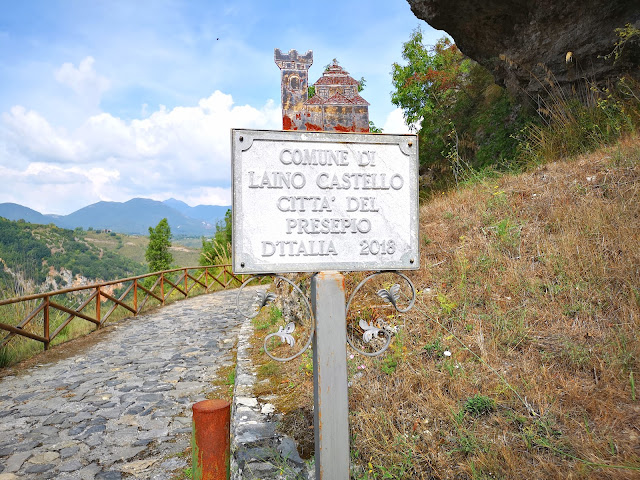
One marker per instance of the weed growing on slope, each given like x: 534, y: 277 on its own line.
x: 519, y: 357
x: 479, y: 405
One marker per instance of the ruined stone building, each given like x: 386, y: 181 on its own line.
x: 336, y: 105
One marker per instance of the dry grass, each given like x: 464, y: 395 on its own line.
x: 532, y: 282
x: 185, y: 251
x: 222, y: 385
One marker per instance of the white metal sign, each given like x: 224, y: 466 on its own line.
x: 317, y: 201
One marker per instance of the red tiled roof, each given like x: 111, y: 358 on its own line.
x: 315, y: 100
x: 336, y: 75
x: 337, y: 99
x: 336, y: 80
x: 358, y: 100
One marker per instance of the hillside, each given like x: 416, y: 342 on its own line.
x: 132, y: 217
x: 186, y: 252
x: 44, y: 257
x: 521, y: 355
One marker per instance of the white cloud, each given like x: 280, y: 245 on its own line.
x: 33, y: 134
x: 48, y: 186
x: 84, y: 81
x: 395, y: 123
x: 182, y: 152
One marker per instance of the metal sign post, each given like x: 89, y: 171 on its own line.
x: 330, y: 396
x: 323, y: 202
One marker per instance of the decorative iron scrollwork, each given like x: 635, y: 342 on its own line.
x: 376, y: 332
x: 285, y: 333
x: 263, y: 298
x: 370, y: 331
x: 390, y: 295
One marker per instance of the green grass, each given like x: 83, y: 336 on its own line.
x: 269, y: 369
x: 479, y: 405
x: 264, y: 320
x: 186, y: 251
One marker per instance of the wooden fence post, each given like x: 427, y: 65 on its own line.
x: 135, y: 295
x: 46, y: 322
x: 186, y: 285
x: 98, y: 301
x: 162, y: 287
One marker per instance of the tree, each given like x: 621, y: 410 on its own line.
x: 464, y: 118
x: 157, y: 254
x: 431, y: 81
x: 430, y: 89
x: 218, y: 249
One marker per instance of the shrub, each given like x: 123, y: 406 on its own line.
x: 466, y: 121
x: 479, y: 405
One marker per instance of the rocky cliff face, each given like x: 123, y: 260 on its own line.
x: 521, y: 41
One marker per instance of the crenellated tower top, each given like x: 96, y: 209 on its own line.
x: 293, y: 60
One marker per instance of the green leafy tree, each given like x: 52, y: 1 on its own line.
x: 430, y: 83
x: 429, y: 90
x: 157, y: 254
x: 218, y: 249
x: 463, y: 117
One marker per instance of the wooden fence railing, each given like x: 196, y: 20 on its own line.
x: 133, y: 294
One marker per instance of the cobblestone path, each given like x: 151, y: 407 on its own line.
x: 122, y: 408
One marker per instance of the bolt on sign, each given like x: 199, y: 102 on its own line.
x: 317, y: 201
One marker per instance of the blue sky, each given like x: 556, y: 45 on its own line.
x: 110, y: 100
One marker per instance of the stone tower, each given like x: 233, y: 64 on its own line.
x: 294, y: 85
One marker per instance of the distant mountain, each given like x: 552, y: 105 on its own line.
x: 13, y: 211
x: 209, y: 213
x: 132, y: 217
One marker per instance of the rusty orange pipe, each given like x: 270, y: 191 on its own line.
x: 210, y: 444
